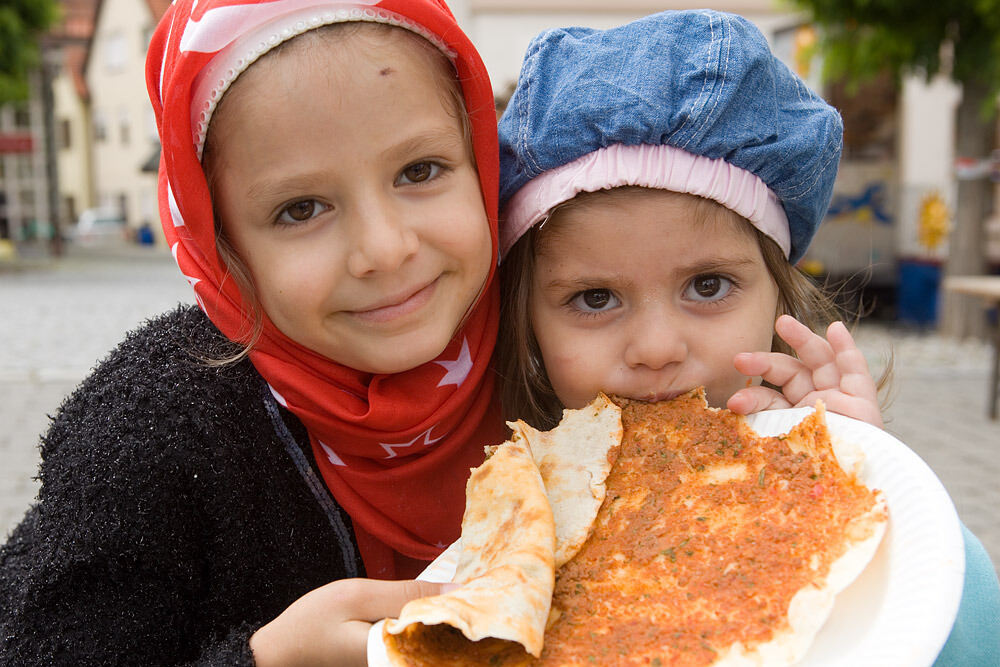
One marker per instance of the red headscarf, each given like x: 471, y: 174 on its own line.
x: 395, y: 450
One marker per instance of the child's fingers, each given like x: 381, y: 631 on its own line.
x: 755, y: 399
x: 849, y: 357
x: 366, y: 601
x: 813, y: 351
x: 330, y: 624
x: 856, y: 407
x: 371, y: 600
x: 856, y: 379
x: 779, y: 370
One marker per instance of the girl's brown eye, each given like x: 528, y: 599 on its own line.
x: 301, y: 211
x: 707, y: 286
x: 593, y: 301
x: 418, y: 173
x: 596, y: 298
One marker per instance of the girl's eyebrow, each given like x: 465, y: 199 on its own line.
x: 268, y: 191
x: 433, y: 139
x: 716, y: 265
x: 587, y: 282
x: 437, y: 140
x: 596, y: 281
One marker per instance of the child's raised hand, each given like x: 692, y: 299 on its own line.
x: 832, y: 369
x: 329, y: 625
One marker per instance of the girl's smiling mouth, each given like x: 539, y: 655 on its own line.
x: 397, y: 306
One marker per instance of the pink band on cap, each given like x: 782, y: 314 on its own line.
x: 662, y: 167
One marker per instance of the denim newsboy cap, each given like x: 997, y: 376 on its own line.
x: 701, y: 81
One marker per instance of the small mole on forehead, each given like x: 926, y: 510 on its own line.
x: 386, y: 71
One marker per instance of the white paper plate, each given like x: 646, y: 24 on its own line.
x: 901, y: 609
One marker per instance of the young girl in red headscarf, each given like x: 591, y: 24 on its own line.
x: 328, y: 187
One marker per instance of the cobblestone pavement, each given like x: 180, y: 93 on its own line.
x: 59, y: 318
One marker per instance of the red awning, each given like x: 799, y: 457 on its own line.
x: 16, y: 142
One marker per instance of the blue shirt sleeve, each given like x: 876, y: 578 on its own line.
x: 975, y: 638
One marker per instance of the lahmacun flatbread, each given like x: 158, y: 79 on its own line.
x: 509, y: 544
x: 715, y: 546
x: 712, y: 546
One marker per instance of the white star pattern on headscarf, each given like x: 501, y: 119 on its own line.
x: 391, y: 448
x: 332, y: 455
x: 459, y: 369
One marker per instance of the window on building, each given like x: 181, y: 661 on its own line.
x: 22, y: 119
x: 69, y: 208
x: 115, y: 56
x: 100, y: 126
x: 27, y: 200
x: 65, y: 138
x: 123, y: 127
x: 23, y: 166
x: 123, y: 205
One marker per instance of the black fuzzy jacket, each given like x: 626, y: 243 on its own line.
x: 180, y: 509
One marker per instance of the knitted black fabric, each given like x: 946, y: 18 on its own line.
x: 171, y: 521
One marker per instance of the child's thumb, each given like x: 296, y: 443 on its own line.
x: 388, y: 600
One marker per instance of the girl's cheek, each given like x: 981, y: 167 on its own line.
x: 576, y: 376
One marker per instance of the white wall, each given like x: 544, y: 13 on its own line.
x: 926, y: 155
x: 116, y: 78
x: 74, y: 165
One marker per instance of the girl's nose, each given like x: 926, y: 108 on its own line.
x: 383, y: 242
x: 655, y: 341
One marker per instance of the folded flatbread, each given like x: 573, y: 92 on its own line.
x: 511, y: 542
x: 680, y: 538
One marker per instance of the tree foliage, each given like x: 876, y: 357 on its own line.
x: 861, y: 38
x: 864, y: 37
x: 22, y: 22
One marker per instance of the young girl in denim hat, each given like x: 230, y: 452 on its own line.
x: 658, y: 183
x: 328, y: 186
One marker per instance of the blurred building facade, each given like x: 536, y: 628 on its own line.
x: 71, y: 103
x: 22, y: 167
x: 123, y: 130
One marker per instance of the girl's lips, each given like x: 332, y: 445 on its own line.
x: 655, y: 397
x: 404, y: 306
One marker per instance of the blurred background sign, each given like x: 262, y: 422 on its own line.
x: 16, y: 142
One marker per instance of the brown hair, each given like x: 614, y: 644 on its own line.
x: 526, y: 392
x: 213, y: 163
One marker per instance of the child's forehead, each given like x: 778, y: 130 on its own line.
x: 340, y: 49
x: 614, y: 223
x: 651, y: 259
x: 332, y: 57
x: 297, y: 38
x: 617, y: 205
